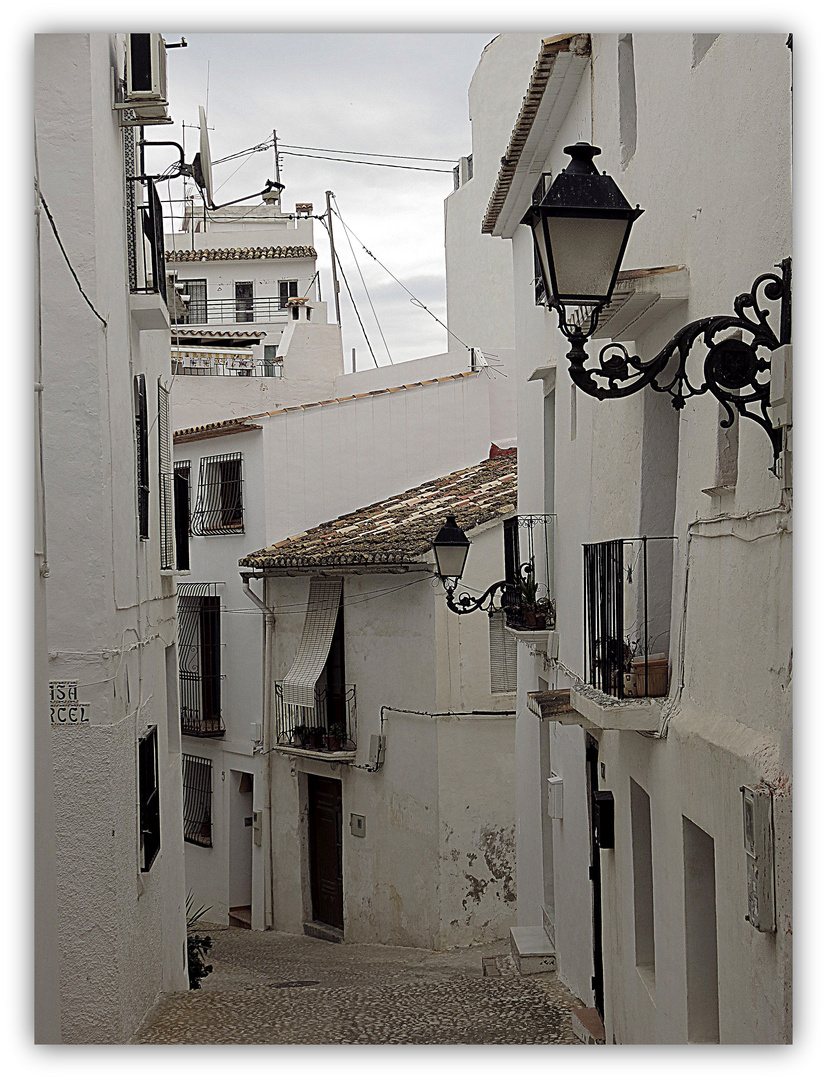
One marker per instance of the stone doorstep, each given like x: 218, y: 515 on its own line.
x: 241, y: 917
x: 588, y: 1027
x: 324, y: 932
x: 532, y: 951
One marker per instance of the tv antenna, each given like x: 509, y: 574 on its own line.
x: 201, y: 168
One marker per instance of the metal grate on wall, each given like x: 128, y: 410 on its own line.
x: 219, y: 506
x: 142, y: 454
x: 197, y: 772
x: 199, y: 659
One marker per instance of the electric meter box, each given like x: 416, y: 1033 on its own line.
x: 759, y: 845
x: 257, y: 817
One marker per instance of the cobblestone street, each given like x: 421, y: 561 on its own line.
x: 279, y: 988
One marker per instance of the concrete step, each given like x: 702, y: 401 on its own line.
x: 241, y: 916
x: 587, y: 1026
x: 532, y: 950
x: 323, y: 931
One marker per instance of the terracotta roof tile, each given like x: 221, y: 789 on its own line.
x: 234, y: 254
x: 387, y: 532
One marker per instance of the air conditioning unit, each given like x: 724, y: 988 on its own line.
x: 146, y: 70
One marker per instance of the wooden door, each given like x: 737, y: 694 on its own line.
x: 325, y: 835
x: 592, y: 785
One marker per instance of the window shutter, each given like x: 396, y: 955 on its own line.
x: 502, y: 655
x: 149, y: 799
x: 142, y: 447
x: 166, y: 482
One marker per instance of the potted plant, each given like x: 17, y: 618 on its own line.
x: 336, y: 736
x: 318, y: 737
x: 299, y: 735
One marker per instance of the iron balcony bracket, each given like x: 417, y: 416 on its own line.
x: 465, y: 602
x: 736, y: 370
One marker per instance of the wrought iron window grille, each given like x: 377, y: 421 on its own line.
x: 149, y: 803
x: 199, y: 659
x: 621, y: 657
x: 329, y: 726
x: 197, y: 777
x: 528, y: 602
x: 219, y: 507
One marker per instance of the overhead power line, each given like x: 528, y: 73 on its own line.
x: 355, y: 157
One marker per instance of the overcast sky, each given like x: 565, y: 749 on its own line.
x: 392, y: 94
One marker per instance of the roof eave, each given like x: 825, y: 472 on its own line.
x: 554, y: 81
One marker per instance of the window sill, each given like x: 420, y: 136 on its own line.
x: 613, y: 714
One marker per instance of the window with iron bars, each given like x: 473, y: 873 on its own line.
x: 197, y: 774
x: 149, y: 821
x: 199, y: 659
x: 219, y: 505
x: 142, y: 453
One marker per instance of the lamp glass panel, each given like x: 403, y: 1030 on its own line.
x: 450, y: 559
x: 542, y: 251
x: 585, y: 252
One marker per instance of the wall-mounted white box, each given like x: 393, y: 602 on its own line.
x: 555, y: 796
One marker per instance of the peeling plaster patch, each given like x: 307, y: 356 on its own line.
x: 472, y: 855
x: 498, y: 852
x: 475, y: 893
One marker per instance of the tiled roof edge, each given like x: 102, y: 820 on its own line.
x: 528, y: 112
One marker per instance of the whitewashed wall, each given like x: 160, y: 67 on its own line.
x: 727, y: 225
x: 110, y: 621
x: 436, y: 866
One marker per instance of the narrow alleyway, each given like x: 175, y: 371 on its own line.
x: 279, y: 988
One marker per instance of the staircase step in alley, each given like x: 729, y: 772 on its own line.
x: 532, y: 951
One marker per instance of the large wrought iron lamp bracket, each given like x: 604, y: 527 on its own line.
x: 736, y: 370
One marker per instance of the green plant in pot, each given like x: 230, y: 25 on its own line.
x: 336, y: 736
x: 299, y: 735
x: 198, y: 945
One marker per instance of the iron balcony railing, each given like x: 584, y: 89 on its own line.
x: 626, y: 616
x: 330, y: 725
x: 256, y: 369
x: 231, y: 310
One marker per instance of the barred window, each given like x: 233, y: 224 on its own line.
x: 142, y: 453
x: 197, y: 800
x: 196, y: 289
x: 219, y: 505
x: 181, y: 488
x: 199, y: 659
x: 166, y: 481
x: 149, y: 799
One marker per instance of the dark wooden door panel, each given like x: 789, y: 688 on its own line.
x: 325, y: 826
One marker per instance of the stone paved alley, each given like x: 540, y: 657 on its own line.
x: 279, y: 988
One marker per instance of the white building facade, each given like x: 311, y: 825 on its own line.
x: 111, y: 850
x: 651, y: 920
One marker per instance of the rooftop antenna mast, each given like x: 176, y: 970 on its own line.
x: 278, y: 170
x: 333, y: 258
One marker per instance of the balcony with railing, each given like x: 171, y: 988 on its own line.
x: 627, y: 610
x: 248, y: 309
x: 327, y: 728
x: 145, y: 252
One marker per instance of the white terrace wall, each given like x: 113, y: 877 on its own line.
x: 480, y: 296
x: 730, y: 598
x: 327, y: 460
x: 110, y: 624
x: 436, y: 866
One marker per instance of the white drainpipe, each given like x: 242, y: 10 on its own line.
x: 268, y: 742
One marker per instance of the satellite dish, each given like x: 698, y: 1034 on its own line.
x: 202, y: 163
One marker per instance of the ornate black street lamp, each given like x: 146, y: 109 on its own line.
x: 581, y: 226
x: 450, y: 549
